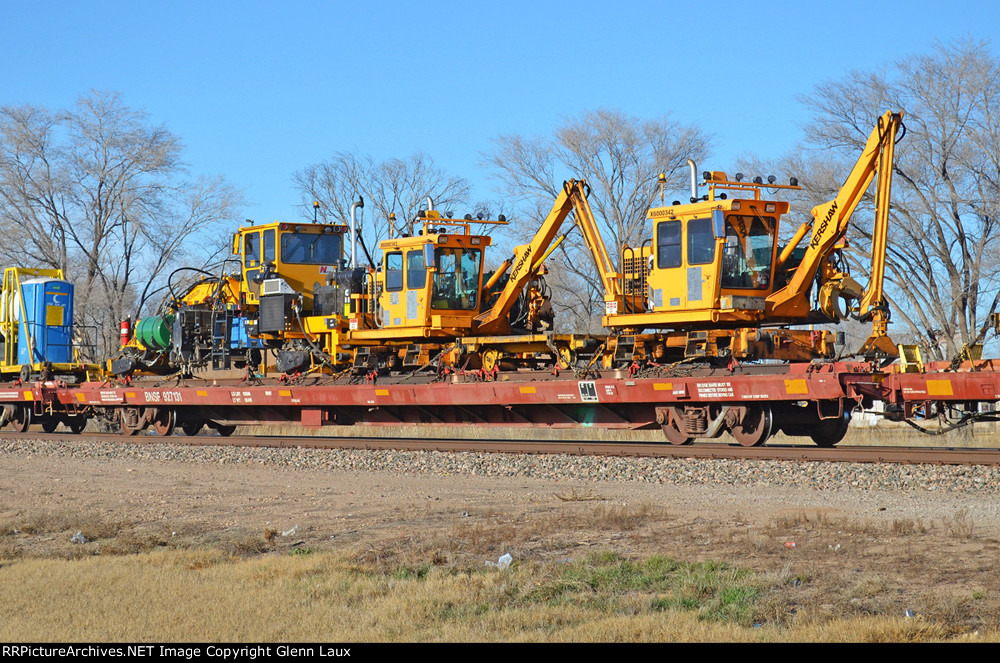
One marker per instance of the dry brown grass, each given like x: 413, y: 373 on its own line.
x: 92, y: 526
x: 204, y: 595
x: 732, y: 580
x: 960, y: 525
x: 577, y: 495
x: 490, y: 534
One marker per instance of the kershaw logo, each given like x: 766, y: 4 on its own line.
x: 519, y: 264
x: 822, y: 226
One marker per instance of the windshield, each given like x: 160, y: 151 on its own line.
x: 749, y: 248
x: 310, y: 248
x: 456, y: 281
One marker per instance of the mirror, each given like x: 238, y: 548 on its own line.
x: 718, y: 223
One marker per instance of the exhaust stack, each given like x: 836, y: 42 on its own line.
x: 354, y: 232
x: 694, y: 180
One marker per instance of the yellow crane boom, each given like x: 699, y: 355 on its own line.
x: 829, y: 223
x: 528, y: 258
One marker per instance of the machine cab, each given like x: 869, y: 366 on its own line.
x: 302, y: 254
x: 714, y: 257
x: 433, y: 280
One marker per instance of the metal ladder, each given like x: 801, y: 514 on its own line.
x: 222, y: 322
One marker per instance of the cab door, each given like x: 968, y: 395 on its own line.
x: 702, y: 270
x: 417, y: 312
x: 252, y: 262
x: 393, y: 301
x: 685, y: 274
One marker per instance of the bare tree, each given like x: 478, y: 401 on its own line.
x: 394, y: 186
x: 620, y: 156
x: 100, y: 192
x: 943, y: 255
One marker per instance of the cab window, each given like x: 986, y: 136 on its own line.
x: 251, y: 249
x: 310, y: 248
x: 747, y: 253
x: 416, y: 272
x: 700, y: 242
x: 668, y: 244
x: 394, y: 272
x: 268, y: 236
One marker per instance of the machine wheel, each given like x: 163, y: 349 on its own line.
x: 755, y: 427
x: 21, y: 419
x: 828, y: 432
x: 490, y: 358
x: 164, y: 422
x: 76, y: 423
x: 565, y: 357
x: 50, y: 425
x: 25, y: 374
x: 192, y: 428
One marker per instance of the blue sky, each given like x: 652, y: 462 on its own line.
x: 258, y: 90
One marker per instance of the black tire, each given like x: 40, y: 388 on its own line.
x: 828, y: 432
x: 192, y: 428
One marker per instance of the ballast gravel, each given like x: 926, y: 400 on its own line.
x: 983, y: 480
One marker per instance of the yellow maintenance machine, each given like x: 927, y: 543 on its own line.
x: 716, y: 279
x: 712, y: 280
x: 430, y: 300
x: 229, y: 320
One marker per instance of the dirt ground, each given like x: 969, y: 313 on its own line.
x: 860, y: 551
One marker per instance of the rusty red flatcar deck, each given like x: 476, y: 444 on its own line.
x: 612, y: 401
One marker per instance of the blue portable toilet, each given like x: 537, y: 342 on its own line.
x: 48, y: 307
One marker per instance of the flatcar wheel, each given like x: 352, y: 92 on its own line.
x: 164, y: 422
x: 673, y: 433
x: 675, y: 436
x: 224, y: 431
x: 50, y: 425
x: 192, y: 428
x: 755, y: 427
x: 828, y: 432
x: 21, y: 419
x: 131, y: 421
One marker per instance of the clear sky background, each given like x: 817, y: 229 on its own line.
x: 259, y: 90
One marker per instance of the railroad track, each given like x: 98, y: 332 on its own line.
x: 709, y: 450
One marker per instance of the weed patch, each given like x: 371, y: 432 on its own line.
x: 245, y: 545
x: 713, y: 590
